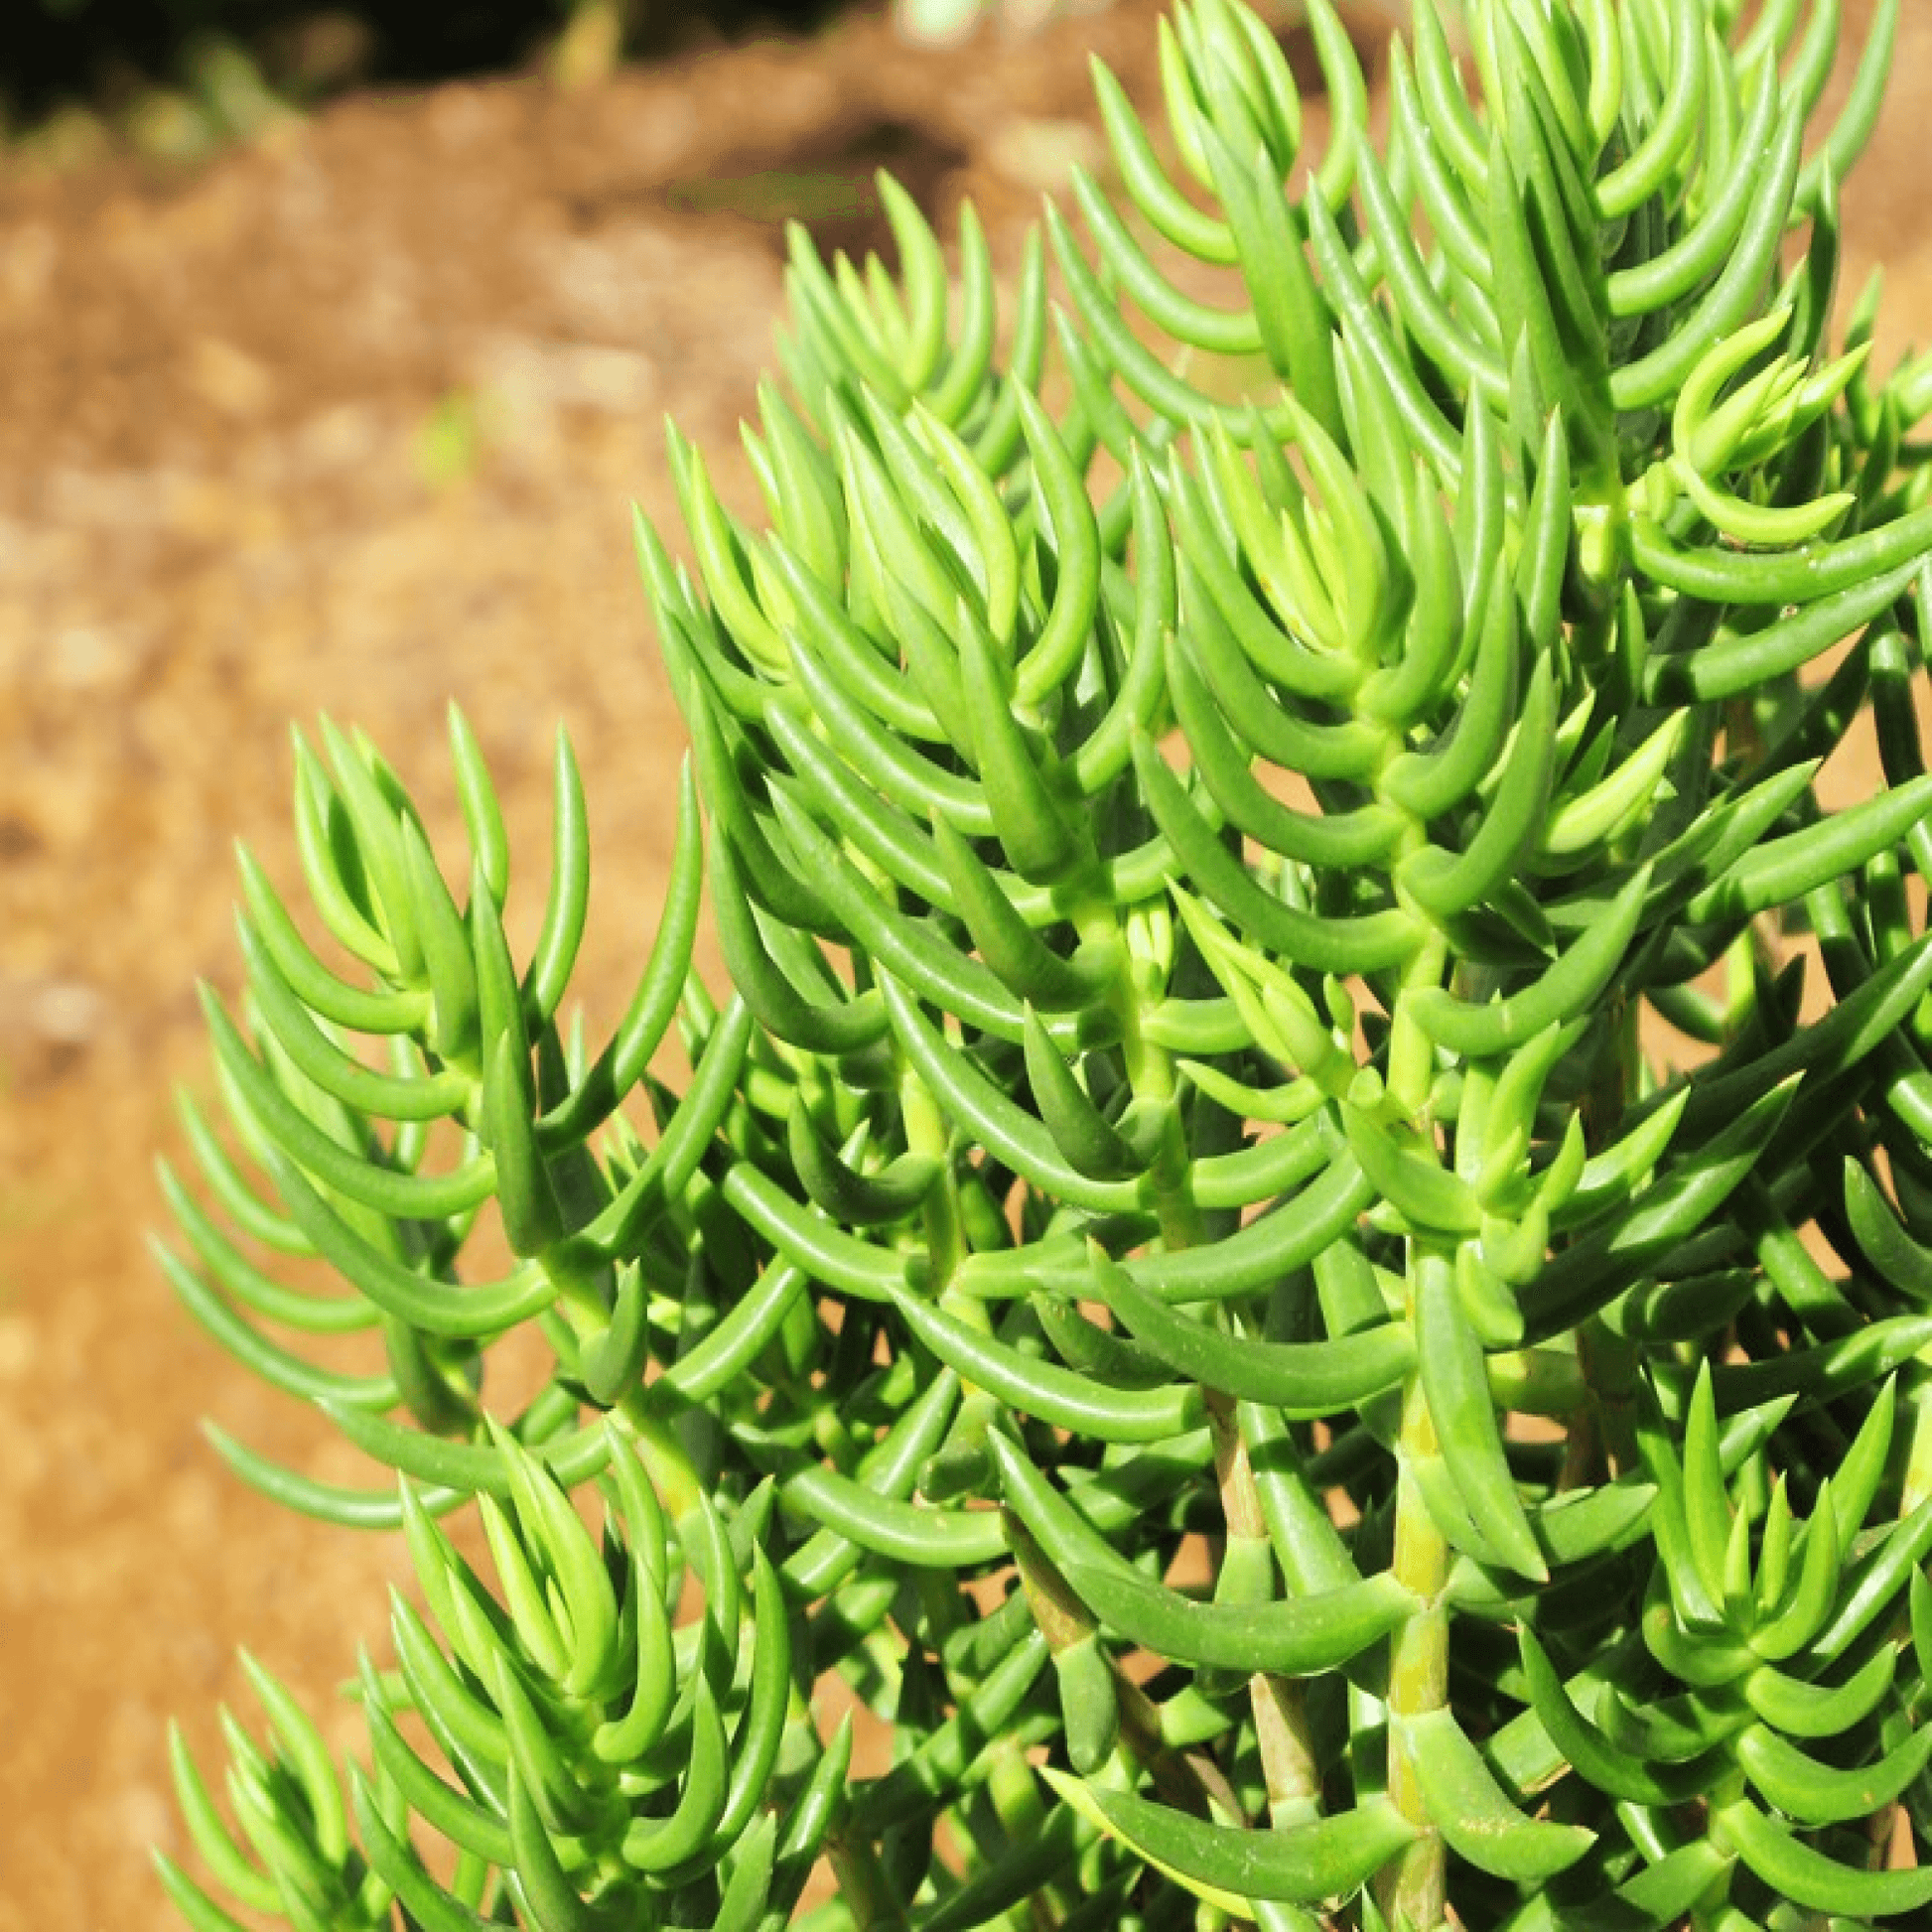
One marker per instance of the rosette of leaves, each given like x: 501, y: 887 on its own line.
x: 608, y: 1769
x: 1304, y: 1251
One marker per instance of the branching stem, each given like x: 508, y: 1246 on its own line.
x: 1414, y: 1889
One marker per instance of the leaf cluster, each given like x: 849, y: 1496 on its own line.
x: 1301, y: 1251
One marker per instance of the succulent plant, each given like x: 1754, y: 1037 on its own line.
x: 1300, y: 1253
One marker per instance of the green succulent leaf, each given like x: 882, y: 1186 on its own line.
x: 1327, y: 1857
x: 1471, y: 1811
x: 1813, y: 1879
x: 1319, y: 1113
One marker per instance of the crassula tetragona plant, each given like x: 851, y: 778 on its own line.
x: 1300, y: 1253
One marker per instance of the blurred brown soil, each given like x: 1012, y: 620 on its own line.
x: 349, y: 424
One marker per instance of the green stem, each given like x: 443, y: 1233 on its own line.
x: 1139, y: 986
x: 666, y: 1460
x: 1603, y: 1431
x: 864, y: 1889
x: 926, y: 1132
x: 1412, y: 1055
x: 1918, y: 1461
x: 1289, y: 1765
x: 1014, y: 1793
x: 1608, y: 1421
x: 1414, y: 1890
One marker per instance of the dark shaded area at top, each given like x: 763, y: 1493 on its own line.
x: 55, y: 50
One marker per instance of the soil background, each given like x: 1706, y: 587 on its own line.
x: 349, y: 423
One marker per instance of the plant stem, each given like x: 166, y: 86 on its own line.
x: 1014, y: 1792
x: 1918, y: 1458
x: 1286, y: 1753
x: 1414, y: 1889
x: 1412, y: 1055
x: 665, y: 1459
x: 1139, y: 986
x: 864, y: 1889
x: 1607, y: 1423
x: 1602, y: 1432
x: 926, y: 1132
x: 1288, y: 1761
